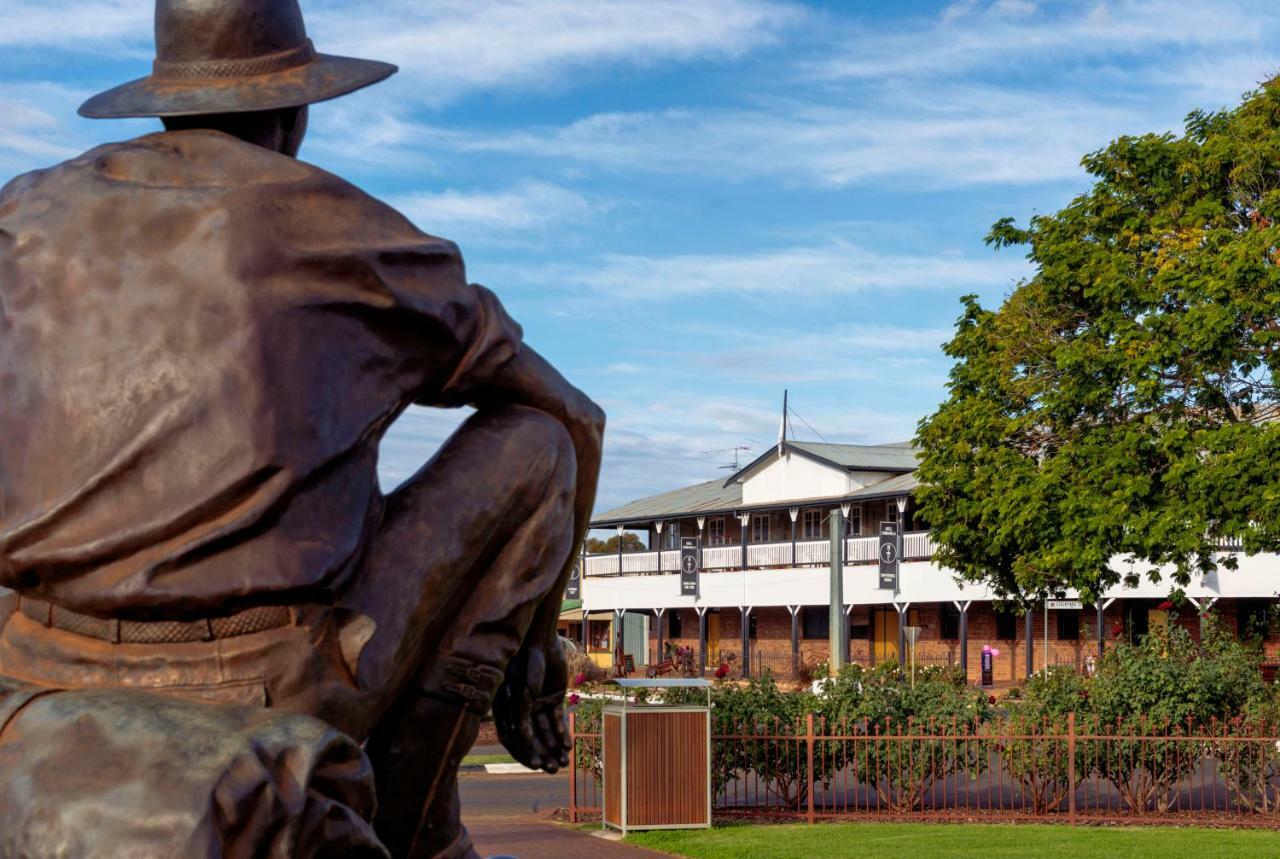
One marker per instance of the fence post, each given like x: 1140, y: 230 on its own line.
x: 808, y: 740
x: 573, y: 767
x: 1071, y: 768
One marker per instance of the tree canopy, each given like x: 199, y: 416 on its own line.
x: 1121, y: 401
x: 631, y: 542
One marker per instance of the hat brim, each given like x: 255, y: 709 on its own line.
x: 325, y: 77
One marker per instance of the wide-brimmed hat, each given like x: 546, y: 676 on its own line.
x: 233, y: 56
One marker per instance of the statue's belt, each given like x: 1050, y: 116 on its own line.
x: 251, y: 620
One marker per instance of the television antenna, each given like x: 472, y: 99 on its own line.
x: 736, y: 450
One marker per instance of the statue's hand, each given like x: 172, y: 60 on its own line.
x: 529, y: 708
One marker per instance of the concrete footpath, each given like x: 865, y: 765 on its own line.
x: 538, y: 838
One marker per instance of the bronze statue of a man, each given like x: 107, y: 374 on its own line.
x: 202, y: 341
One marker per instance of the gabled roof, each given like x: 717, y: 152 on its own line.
x: 691, y: 500
x: 712, y: 497
x: 899, y: 456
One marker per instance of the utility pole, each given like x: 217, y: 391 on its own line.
x: 835, y: 610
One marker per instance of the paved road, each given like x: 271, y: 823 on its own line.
x: 512, y: 795
x: 507, y: 815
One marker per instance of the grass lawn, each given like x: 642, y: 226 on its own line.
x: 479, y: 760
x: 953, y: 841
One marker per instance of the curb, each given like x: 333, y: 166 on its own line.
x: 498, y: 769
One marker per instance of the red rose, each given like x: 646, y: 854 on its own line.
x: 574, y: 699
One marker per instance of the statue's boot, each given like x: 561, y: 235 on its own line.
x: 416, y: 755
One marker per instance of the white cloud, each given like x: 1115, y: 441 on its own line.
x: 1013, y: 33
x: 449, y: 48
x: 837, y: 267
x: 115, y: 27
x: 492, y: 215
x: 445, y: 48
x: 942, y: 136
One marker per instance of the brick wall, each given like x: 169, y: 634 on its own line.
x: 772, y: 645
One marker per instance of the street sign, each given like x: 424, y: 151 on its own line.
x: 912, y: 633
x: 690, y: 565
x: 1063, y: 605
x: 890, y: 552
x: 573, y: 591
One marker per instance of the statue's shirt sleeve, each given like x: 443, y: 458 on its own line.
x: 455, y: 337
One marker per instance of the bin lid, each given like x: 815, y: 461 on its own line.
x: 659, y: 683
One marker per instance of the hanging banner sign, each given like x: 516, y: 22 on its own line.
x: 573, y: 591
x: 690, y: 566
x: 1063, y: 605
x: 890, y: 552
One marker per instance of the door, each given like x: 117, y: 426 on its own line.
x: 884, y: 632
x: 713, y: 639
x: 884, y: 635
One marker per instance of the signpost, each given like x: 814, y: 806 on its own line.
x: 690, y: 565
x: 890, y: 553
x: 573, y: 590
x: 912, y: 633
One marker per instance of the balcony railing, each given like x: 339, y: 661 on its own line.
x: 916, y: 546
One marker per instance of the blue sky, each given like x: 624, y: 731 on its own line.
x: 693, y: 204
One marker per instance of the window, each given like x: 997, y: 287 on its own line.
x: 948, y: 622
x: 671, y: 536
x: 751, y: 626
x: 1137, y: 620
x: 673, y: 623
x: 812, y: 524
x: 1068, y: 625
x: 1252, y: 618
x: 815, y: 622
x: 760, y: 528
x: 599, y: 630
x: 891, y: 510
x: 1006, y: 626
x: 715, y: 531
x: 855, y: 520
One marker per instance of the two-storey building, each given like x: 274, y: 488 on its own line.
x: 764, y: 585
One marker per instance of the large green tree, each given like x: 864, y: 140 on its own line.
x: 1120, y: 402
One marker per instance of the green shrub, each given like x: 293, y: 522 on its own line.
x: 1029, y: 741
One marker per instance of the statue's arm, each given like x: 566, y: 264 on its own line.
x: 529, y: 380
x: 529, y: 709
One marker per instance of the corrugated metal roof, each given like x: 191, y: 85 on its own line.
x: 894, y: 485
x: 872, y: 457
x: 711, y: 495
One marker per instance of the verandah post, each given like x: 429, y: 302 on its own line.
x: 1071, y: 768
x: 808, y: 740
x: 573, y: 767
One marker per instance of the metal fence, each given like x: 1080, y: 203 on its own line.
x: 1221, y: 774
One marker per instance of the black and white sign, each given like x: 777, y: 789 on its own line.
x: 1063, y: 605
x: 890, y: 552
x: 690, y: 565
x: 573, y: 591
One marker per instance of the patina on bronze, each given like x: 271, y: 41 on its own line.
x: 202, y: 341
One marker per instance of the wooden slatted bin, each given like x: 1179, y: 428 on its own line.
x: 657, y: 759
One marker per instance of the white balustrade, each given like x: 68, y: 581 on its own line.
x: 721, y: 557
x: 640, y: 562
x: 918, y: 544
x: 602, y: 565
x: 861, y: 550
x: 858, y: 550
x: 769, y: 555
x: 813, y: 552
